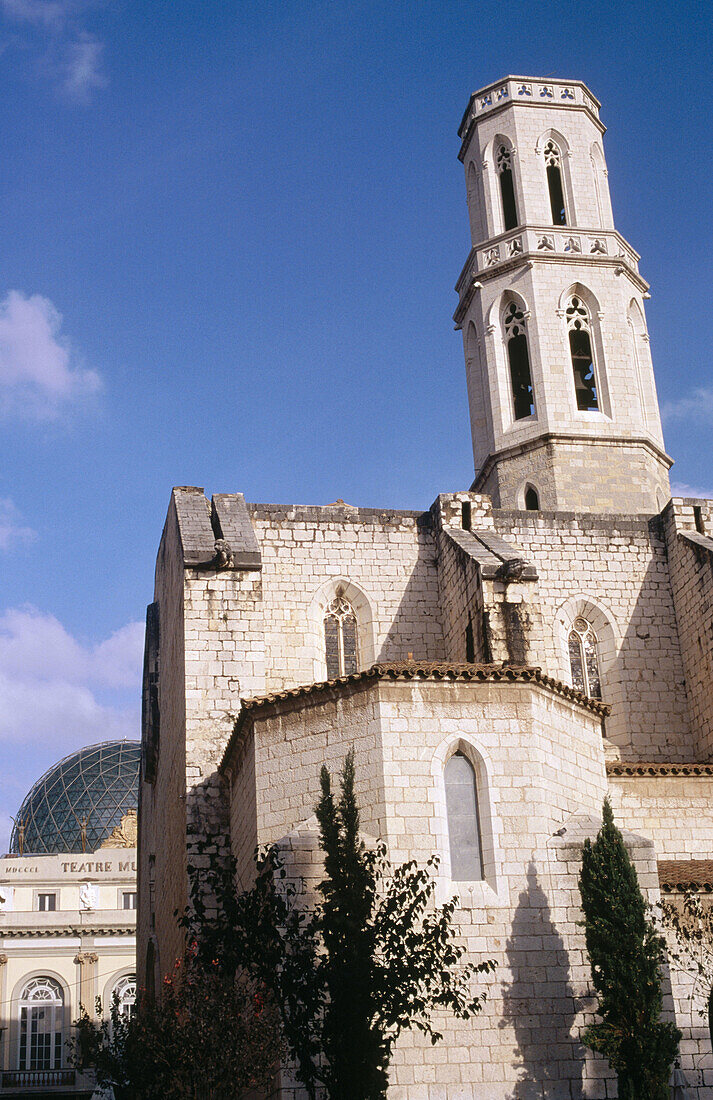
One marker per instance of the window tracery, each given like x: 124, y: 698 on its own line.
x: 463, y: 819
x: 514, y: 325
x: 555, y: 185
x: 583, y: 658
x: 41, y: 1025
x: 580, y: 346
x: 125, y: 993
x: 503, y: 164
x: 340, y: 638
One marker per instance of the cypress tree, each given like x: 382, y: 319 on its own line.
x: 355, y: 1055
x: 626, y: 955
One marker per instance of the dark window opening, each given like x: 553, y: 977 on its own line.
x: 554, y: 183
x: 585, y: 384
x: 532, y: 501
x: 469, y: 642
x: 47, y: 903
x: 520, y: 377
x: 698, y: 519
x: 129, y: 899
x: 466, y: 515
x: 507, y: 194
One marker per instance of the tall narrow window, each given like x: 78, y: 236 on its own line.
x: 463, y: 824
x: 41, y: 1009
x: 340, y: 638
x: 580, y: 347
x: 583, y: 659
x: 519, y: 361
x: 503, y: 161
x: 553, y: 166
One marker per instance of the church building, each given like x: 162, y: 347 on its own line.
x: 499, y: 662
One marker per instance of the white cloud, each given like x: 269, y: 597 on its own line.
x: 56, y: 691
x: 697, y: 405
x: 84, y: 70
x: 39, y: 13
x: 12, y: 530
x: 682, y: 489
x: 36, y: 646
x: 64, y: 49
x: 58, y: 694
x: 39, y: 374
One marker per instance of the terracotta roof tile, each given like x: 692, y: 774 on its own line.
x: 418, y: 670
x: 675, y: 876
x: 643, y: 768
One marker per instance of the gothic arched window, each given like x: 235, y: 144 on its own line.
x: 579, y: 328
x: 463, y: 821
x: 555, y: 185
x: 340, y: 638
x: 583, y: 658
x: 41, y: 1025
x: 125, y: 993
x: 532, y: 500
x: 503, y: 163
x: 518, y: 360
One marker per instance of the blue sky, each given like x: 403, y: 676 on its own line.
x: 230, y: 233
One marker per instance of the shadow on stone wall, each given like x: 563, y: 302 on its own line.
x: 538, y: 1003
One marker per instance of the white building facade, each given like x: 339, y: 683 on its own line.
x: 538, y: 641
x: 67, y: 916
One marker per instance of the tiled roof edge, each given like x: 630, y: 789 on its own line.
x: 417, y: 670
x: 646, y: 769
x: 678, y: 876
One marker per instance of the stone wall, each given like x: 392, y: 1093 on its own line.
x: 675, y: 811
x: 615, y: 571
x: 541, y: 783
x: 387, y: 557
x: 689, y: 537
x: 162, y: 811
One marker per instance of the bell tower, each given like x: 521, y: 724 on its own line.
x: 563, y: 406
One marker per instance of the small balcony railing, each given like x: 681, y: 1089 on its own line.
x: 38, y: 1078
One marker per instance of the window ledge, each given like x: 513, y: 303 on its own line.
x: 472, y: 895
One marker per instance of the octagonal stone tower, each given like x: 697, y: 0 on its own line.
x: 563, y: 405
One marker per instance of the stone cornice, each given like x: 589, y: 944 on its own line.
x: 18, y: 932
x: 423, y: 671
x: 543, y: 92
x: 546, y: 437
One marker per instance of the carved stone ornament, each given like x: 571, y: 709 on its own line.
x: 88, y: 897
x: 7, y: 894
x: 223, y: 555
x: 3, y: 960
x: 86, y: 958
x: 124, y: 835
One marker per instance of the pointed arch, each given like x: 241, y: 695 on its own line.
x: 601, y: 185
x: 514, y: 317
x: 334, y: 601
x: 481, y: 770
x: 599, y: 641
x: 579, y: 309
x: 503, y: 154
x: 475, y: 203
x: 554, y: 152
x: 481, y: 422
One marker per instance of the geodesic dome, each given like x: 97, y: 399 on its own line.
x: 98, y: 785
